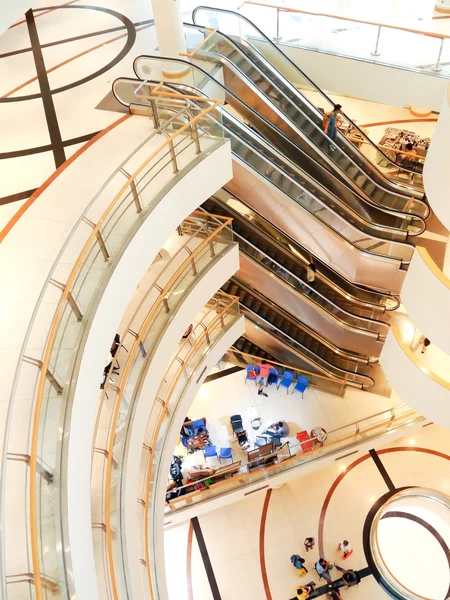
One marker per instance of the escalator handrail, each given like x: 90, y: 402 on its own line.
x: 396, y: 259
x: 351, y: 186
x: 317, y: 260
x: 339, y: 352
x: 309, y: 356
x: 382, y: 325
x: 238, y: 217
x: 314, y: 85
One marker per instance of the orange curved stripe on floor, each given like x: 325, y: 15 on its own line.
x: 4, y: 232
x: 189, y: 562
x: 428, y: 120
x: 354, y: 464
x: 44, y: 12
x: 67, y: 61
x: 262, y: 555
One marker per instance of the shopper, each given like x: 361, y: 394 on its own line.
x: 262, y: 377
x: 346, y: 549
x: 323, y: 568
x: 299, y: 563
x: 310, y: 276
x: 309, y: 543
x: 333, y: 594
x: 425, y: 343
x: 303, y: 591
x: 330, y: 123
x: 349, y: 576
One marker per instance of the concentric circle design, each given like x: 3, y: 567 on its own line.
x: 409, y: 537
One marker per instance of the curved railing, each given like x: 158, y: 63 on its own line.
x: 293, y: 456
x: 206, y: 241
x: 246, y: 29
x: 373, y: 34
x: 47, y: 558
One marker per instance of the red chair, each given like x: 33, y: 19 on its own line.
x: 304, y: 439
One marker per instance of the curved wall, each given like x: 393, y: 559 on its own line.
x: 184, y: 197
x: 426, y: 297
x: 416, y: 385
x: 436, y: 173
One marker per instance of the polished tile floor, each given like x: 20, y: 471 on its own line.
x: 248, y: 544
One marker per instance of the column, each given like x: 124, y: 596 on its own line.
x: 170, y: 34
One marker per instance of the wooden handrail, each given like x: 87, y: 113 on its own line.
x: 197, y: 48
x: 417, y: 362
x: 289, y: 368
x: 34, y: 542
x: 291, y: 459
x: 343, y: 18
x: 191, y: 352
x: 126, y: 373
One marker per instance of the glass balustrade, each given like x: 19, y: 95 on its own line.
x: 40, y: 402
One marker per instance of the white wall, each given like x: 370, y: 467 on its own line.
x: 186, y: 195
x: 189, y: 393
x: 426, y: 298
x: 369, y: 81
x: 414, y: 385
x: 436, y: 173
x: 162, y: 352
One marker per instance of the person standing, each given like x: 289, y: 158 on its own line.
x: 349, y: 576
x: 330, y: 123
x: 309, y: 543
x: 263, y: 376
x: 346, y: 549
x: 425, y: 343
x: 310, y: 276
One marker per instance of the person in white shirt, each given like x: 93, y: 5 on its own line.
x: 346, y: 548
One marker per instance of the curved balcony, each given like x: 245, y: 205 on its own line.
x: 426, y: 297
x: 82, y: 268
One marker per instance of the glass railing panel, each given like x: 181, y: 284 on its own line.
x: 52, y: 386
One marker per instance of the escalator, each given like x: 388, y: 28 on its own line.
x: 306, y: 161
x: 244, y: 345
x: 314, y: 352
x: 280, y: 252
x: 258, y: 156
x: 276, y: 266
x: 241, y: 43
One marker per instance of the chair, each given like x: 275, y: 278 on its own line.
x: 300, y: 385
x: 197, y: 424
x: 250, y: 373
x: 242, y: 437
x: 209, y: 451
x: 262, y: 440
x: 225, y: 453
x: 286, y: 381
x: 236, y: 423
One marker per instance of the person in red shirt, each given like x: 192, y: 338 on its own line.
x: 263, y: 376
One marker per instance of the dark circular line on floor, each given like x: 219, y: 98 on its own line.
x: 131, y: 38
x: 47, y: 148
x: 434, y: 532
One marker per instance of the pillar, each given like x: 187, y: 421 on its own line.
x: 170, y: 34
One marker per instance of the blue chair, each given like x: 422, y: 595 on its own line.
x: 273, y: 376
x: 209, y: 451
x: 286, y: 381
x: 300, y: 385
x: 225, y: 453
x: 249, y: 374
x: 197, y: 424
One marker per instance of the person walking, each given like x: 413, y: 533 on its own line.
x: 330, y: 123
x: 425, y: 343
x: 346, y: 549
x: 299, y: 563
x: 349, y: 576
x: 309, y: 543
x: 262, y: 377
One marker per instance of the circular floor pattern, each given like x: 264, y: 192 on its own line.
x: 408, y: 540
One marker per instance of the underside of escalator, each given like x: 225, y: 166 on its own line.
x: 248, y: 63
x: 316, y: 353
x: 244, y: 345
x: 288, y: 259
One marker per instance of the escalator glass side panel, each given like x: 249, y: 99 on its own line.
x: 239, y: 26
